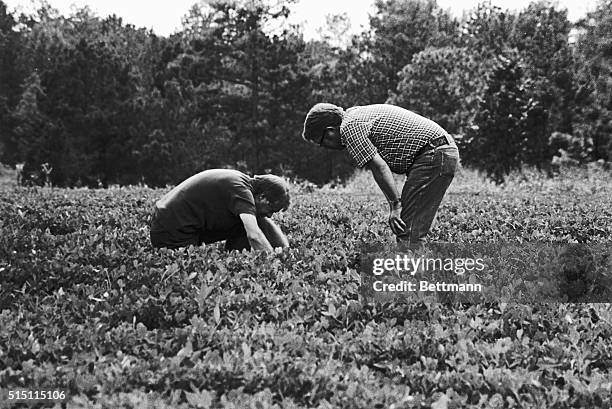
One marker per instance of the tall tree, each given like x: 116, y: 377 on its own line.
x: 506, y: 121
x: 250, y: 79
x: 594, y: 81
x: 11, y: 76
x: 541, y: 36
x: 487, y: 30
x: 86, y: 78
x: 400, y: 29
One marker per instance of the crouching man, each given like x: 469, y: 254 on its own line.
x: 222, y: 204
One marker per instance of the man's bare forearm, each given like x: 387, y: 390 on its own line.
x: 273, y: 232
x: 260, y: 242
x: 257, y: 239
x: 384, y: 179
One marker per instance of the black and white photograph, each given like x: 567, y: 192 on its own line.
x: 292, y: 204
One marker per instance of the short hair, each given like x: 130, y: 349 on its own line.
x: 320, y: 117
x: 274, y: 188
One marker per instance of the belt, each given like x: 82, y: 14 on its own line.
x: 434, y: 143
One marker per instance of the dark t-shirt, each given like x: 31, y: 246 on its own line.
x: 210, y: 201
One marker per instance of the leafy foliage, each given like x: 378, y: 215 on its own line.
x: 105, y: 102
x: 87, y: 305
x: 541, y: 35
x: 401, y: 29
x: 523, y: 109
x: 594, y: 69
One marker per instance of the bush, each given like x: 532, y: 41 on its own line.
x: 508, y: 129
x: 442, y: 84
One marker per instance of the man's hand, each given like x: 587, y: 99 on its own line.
x: 273, y: 233
x: 395, y: 221
x: 384, y: 178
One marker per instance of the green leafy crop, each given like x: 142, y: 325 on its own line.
x: 86, y: 305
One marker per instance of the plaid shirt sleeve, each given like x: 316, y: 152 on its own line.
x: 355, y: 137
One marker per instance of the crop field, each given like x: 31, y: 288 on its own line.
x: 89, y: 308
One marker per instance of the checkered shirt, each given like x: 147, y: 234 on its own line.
x: 395, y: 133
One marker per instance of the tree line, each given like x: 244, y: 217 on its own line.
x: 101, y: 101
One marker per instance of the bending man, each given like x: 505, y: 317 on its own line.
x: 385, y: 139
x: 221, y: 204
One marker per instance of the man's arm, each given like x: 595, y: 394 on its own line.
x: 384, y: 179
x: 257, y: 239
x: 273, y: 233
